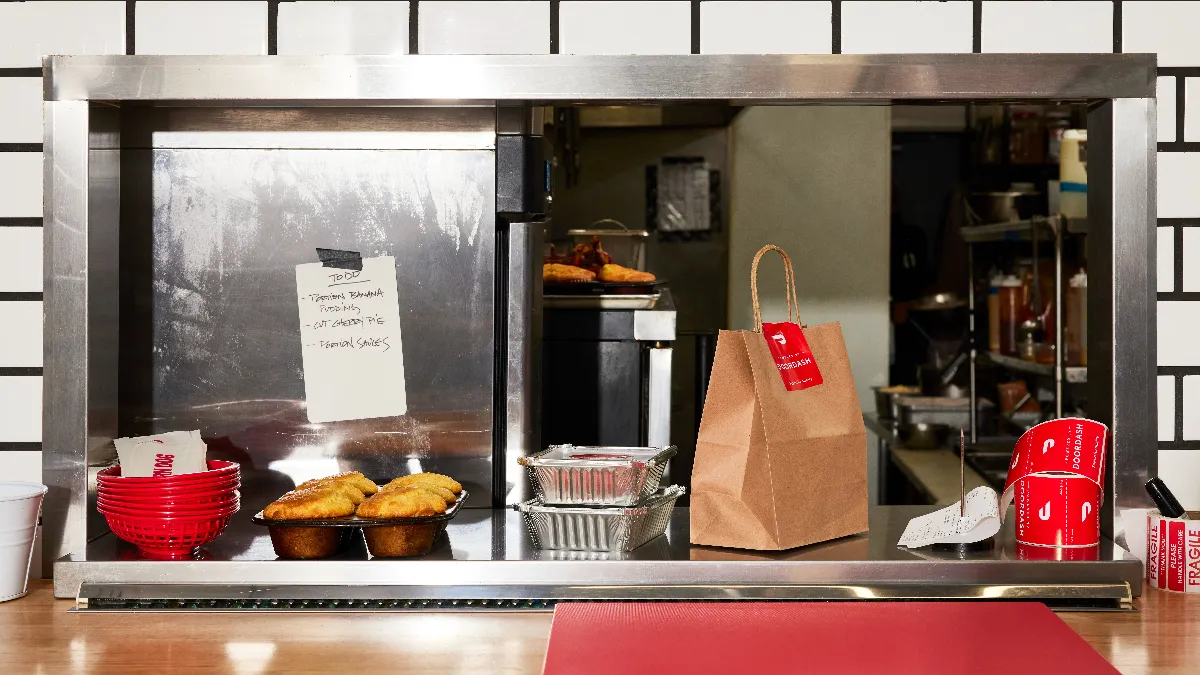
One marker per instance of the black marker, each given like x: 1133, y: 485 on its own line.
x: 1168, y: 506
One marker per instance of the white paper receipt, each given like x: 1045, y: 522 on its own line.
x: 350, y: 335
x: 946, y: 526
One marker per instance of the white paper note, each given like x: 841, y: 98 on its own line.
x: 350, y: 333
x: 161, y: 455
x: 947, y: 526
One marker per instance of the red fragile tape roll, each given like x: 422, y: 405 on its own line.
x: 1172, y: 553
x: 1056, y: 477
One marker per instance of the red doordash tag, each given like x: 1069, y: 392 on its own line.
x: 792, y: 356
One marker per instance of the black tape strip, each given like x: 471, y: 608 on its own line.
x: 345, y: 260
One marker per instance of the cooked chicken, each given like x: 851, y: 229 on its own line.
x: 310, y: 504
x: 616, y: 273
x: 558, y: 274
x: 590, y: 257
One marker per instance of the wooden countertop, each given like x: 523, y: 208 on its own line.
x: 41, y: 636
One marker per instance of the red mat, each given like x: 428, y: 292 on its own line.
x: 815, y: 637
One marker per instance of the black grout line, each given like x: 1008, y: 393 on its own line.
x: 1179, y: 445
x: 1179, y: 146
x: 554, y: 26
x: 21, y: 296
x: 1180, y: 102
x: 1178, y: 371
x: 1179, y: 222
x: 21, y: 72
x: 977, y: 26
x: 10, y: 371
x: 1178, y: 394
x: 272, y: 27
x: 20, y: 222
x: 1178, y: 296
x: 1177, y: 258
x: 836, y: 26
x: 1117, y: 25
x: 414, y: 44
x: 1179, y: 71
x: 130, y: 22
x: 695, y: 26
x: 19, y: 446
x: 20, y: 147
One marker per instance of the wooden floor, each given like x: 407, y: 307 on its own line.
x: 38, y: 635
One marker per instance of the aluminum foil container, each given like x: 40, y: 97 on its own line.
x: 596, y: 475
x: 591, y: 528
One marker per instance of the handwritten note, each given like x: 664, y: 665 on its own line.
x: 350, y: 335
x: 948, y: 526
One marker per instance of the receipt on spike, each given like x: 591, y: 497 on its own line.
x: 980, y: 521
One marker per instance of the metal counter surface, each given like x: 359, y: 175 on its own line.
x: 487, y: 553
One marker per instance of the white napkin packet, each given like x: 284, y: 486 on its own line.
x: 162, y: 455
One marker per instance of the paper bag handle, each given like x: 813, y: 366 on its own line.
x: 793, y: 302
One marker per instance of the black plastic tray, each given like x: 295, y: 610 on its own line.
x: 358, y: 521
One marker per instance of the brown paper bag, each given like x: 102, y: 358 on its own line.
x: 776, y: 469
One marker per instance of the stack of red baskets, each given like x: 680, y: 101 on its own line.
x: 169, y: 517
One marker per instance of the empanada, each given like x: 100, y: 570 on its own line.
x: 402, y: 503
x: 310, y: 504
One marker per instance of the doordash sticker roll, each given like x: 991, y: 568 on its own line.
x: 1056, y: 477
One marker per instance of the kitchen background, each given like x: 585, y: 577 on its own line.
x: 30, y: 29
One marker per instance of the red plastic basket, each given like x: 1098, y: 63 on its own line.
x: 167, y: 538
x: 215, y: 508
x: 213, y: 498
x: 158, y: 514
x: 217, y: 470
x: 198, y: 491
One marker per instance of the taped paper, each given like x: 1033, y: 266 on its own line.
x: 350, y: 337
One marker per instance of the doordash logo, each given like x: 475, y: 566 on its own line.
x: 778, y: 337
x: 1047, y: 445
x: 1044, y: 512
x: 1087, y: 508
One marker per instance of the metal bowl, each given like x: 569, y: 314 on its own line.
x: 885, y: 399
x: 922, y: 435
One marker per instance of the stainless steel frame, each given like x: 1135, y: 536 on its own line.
x: 81, y: 186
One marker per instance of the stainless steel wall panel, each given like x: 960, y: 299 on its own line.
x: 1121, y: 274
x: 553, y: 78
x: 211, y: 335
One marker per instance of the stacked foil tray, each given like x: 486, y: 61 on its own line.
x: 593, y: 498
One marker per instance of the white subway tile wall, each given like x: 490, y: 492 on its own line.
x: 1166, y: 408
x: 1164, y: 28
x: 475, y: 27
x: 766, y: 27
x: 196, y: 27
x: 343, y: 27
x: 1166, y: 109
x: 1047, y: 27
x: 1178, y: 185
x: 22, y: 465
x: 20, y: 184
x: 20, y: 110
x: 20, y: 409
x: 21, y: 336
x: 1166, y: 259
x: 906, y: 27
x: 1190, y: 259
x: 1191, y: 122
x: 28, y: 30
x: 606, y: 27
x: 20, y: 260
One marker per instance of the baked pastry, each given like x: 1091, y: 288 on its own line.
x: 398, y: 541
x: 559, y: 274
x: 362, y: 483
x: 306, y: 543
x: 428, y: 480
x: 616, y: 273
x: 310, y: 504
x: 449, y: 497
x: 411, y: 502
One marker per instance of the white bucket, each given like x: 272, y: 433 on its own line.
x: 20, y: 505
